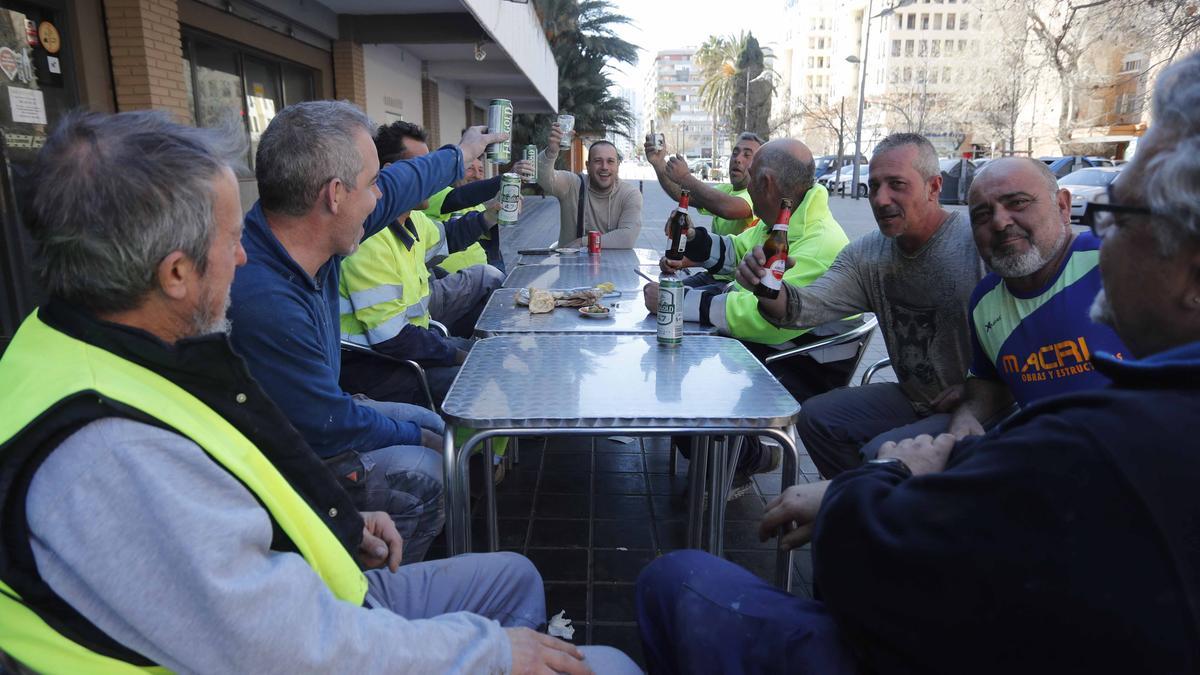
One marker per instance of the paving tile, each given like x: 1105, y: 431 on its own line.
x: 564, y: 482
x: 518, y: 481
x: 567, y: 443
x: 562, y: 505
x: 613, y: 602
x: 606, y: 444
x: 743, y: 534
x: 747, y: 507
x: 623, y: 637
x: 672, y: 534
x: 622, y: 507
x: 559, y: 533
x: 620, y: 483
x: 668, y: 508
x: 656, y: 444
x: 622, y: 534
x: 568, y: 461
x: 613, y: 565
x: 802, y: 560
x: 511, y: 505
x: 618, y: 462
x: 569, y: 597
x: 666, y: 484
x: 661, y: 463
x: 560, y: 564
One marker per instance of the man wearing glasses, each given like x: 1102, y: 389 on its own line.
x: 1031, y: 337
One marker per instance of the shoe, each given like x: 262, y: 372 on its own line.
x: 743, y: 485
x: 768, y: 461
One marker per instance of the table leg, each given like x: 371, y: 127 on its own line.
x: 489, y: 460
x: 788, y: 478
x: 697, y: 469
x: 732, y: 448
x: 449, y: 480
x: 514, y: 444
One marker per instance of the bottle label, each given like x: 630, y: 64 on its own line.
x: 682, y: 244
x: 780, y: 226
x: 776, y: 266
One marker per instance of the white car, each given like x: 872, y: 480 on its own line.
x: 1085, y: 184
x: 840, y: 182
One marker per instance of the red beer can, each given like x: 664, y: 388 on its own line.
x: 594, y: 242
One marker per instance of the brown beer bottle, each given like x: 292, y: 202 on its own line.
x: 677, y: 225
x: 776, y: 251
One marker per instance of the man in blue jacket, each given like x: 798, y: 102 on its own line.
x: 321, y: 192
x: 1064, y: 540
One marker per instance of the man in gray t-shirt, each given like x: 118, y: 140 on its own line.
x: 916, y: 274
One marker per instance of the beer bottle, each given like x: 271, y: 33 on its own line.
x: 776, y: 251
x: 677, y: 226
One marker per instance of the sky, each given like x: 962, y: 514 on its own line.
x: 672, y: 24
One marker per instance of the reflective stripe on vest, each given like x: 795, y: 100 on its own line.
x: 385, y: 285
x: 43, y: 367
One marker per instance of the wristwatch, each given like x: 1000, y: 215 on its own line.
x: 892, y: 461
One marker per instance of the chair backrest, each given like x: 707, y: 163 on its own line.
x: 363, y: 350
x: 875, y: 368
x: 861, y: 334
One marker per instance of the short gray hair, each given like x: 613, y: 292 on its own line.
x: 927, y: 159
x: 795, y: 177
x: 1170, y: 171
x: 304, y: 147
x: 112, y: 195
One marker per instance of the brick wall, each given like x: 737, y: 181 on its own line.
x: 349, y: 73
x: 147, y: 56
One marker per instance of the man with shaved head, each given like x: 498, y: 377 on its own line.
x: 781, y: 169
x: 1030, y: 333
x: 916, y: 275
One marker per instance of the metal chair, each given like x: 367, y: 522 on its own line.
x: 867, y: 330
x: 873, y: 369
x: 355, y: 348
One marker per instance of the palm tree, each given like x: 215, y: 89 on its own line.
x: 717, y: 59
x: 665, y: 105
x: 583, y: 39
x: 732, y: 65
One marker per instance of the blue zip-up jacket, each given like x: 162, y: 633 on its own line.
x: 1065, y: 540
x: 285, y: 323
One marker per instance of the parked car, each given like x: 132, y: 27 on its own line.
x: 826, y: 163
x: 957, y: 175
x: 1085, y: 184
x: 840, y: 182
x: 1061, y: 166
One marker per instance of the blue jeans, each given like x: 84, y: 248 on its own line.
x: 405, y: 481
x: 700, y: 614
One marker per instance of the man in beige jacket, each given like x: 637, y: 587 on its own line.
x: 607, y: 205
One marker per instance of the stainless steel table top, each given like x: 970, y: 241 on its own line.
x: 595, y: 381
x: 562, y: 277
x: 628, y: 316
x: 623, y: 256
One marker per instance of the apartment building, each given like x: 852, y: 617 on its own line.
x: 690, y: 128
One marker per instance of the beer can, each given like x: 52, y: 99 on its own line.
x: 594, y: 242
x: 530, y: 154
x: 500, y: 119
x: 670, y: 311
x: 510, y: 198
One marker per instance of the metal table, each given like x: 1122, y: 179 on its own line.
x: 629, y: 257
x: 562, y: 277
x: 628, y: 316
x: 595, y: 385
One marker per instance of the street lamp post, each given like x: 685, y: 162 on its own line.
x: 862, y: 85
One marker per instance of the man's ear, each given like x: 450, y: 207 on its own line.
x: 1062, y: 199
x: 935, y: 187
x: 332, y: 194
x: 175, y: 273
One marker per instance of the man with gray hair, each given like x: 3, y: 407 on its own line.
x: 321, y: 192
x: 156, y: 507
x: 997, y: 554
x: 916, y: 275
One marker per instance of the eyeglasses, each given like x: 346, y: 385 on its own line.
x: 1100, y: 213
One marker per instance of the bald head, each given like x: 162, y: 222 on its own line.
x: 786, y: 162
x: 1008, y: 167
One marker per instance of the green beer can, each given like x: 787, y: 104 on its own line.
x: 529, y: 154
x: 500, y: 120
x: 670, y: 311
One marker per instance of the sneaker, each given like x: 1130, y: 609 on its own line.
x: 743, y: 485
x: 769, y: 460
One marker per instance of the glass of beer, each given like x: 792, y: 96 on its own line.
x: 566, y: 123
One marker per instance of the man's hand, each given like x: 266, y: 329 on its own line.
x: 381, y: 543
x: 491, y: 210
x: 650, y: 295
x: 751, y: 270
x: 668, y: 266
x: 923, y: 454
x: 964, y: 424
x: 796, y: 511
x: 554, y: 141
x: 949, y: 399
x: 524, y: 168
x: 475, y: 140
x: 431, y: 440
x: 537, y: 654
x: 677, y: 169
x: 689, y: 232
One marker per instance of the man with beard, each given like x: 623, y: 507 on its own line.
x: 916, y: 274
x: 600, y: 202
x: 1062, y: 541
x: 1030, y: 333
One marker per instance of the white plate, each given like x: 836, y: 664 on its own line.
x: 595, y: 315
x: 566, y: 250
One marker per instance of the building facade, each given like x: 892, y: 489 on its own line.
x: 689, y: 129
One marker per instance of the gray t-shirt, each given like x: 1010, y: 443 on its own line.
x: 921, y: 300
